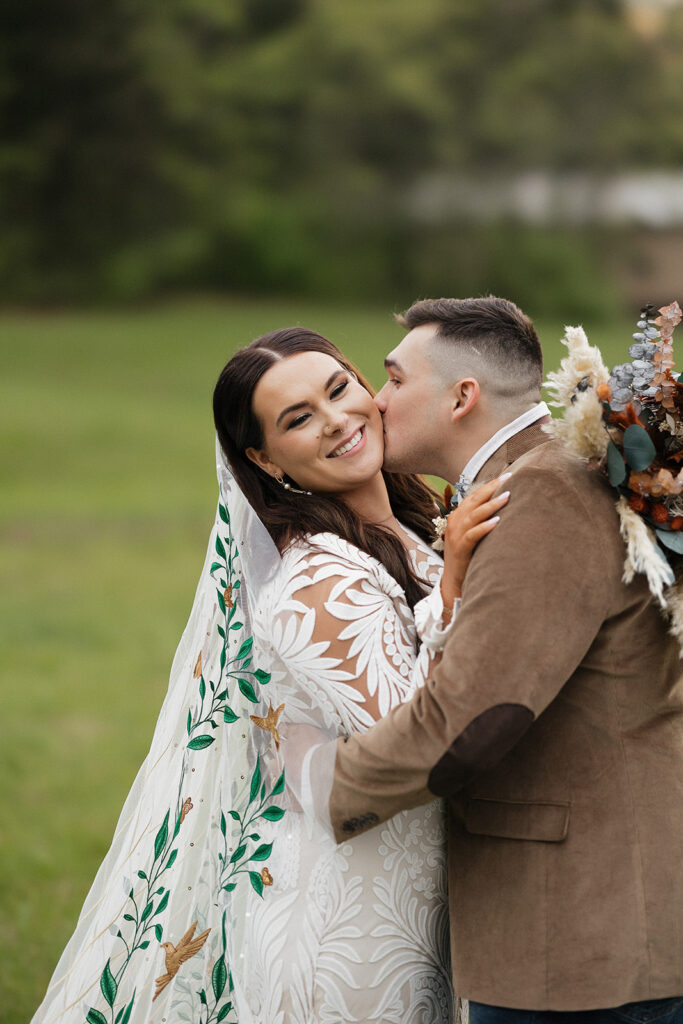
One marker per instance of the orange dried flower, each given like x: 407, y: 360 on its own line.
x: 604, y: 392
x: 660, y: 513
x: 676, y: 523
x: 637, y: 503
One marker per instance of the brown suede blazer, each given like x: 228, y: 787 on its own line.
x: 554, y: 727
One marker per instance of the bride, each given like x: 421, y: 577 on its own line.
x: 223, y: 897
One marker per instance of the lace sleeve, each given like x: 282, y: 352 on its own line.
x: 347, y: 643
x: 346, y: 629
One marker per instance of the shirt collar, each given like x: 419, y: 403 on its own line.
x: 480, y: 457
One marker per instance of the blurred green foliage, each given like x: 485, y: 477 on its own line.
x: 108, y: 497
x: 272, y: 145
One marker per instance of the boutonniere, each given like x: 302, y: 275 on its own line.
x: 441, y: 521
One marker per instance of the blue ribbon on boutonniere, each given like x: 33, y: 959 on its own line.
x: 460, y: 489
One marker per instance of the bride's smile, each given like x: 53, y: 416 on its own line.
x: 321, y: 428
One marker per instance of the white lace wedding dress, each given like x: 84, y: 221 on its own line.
x: 357, y: 932
x: 223, y: 899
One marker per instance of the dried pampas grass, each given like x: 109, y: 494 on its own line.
x: 642, y: 553
x: 583, y: 361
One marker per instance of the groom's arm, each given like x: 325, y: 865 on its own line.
x: 535, y: 595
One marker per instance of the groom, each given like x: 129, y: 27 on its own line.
x: 553, y: 725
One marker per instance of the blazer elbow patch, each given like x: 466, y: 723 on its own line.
x: 484, y: 742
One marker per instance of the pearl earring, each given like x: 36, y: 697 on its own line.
x: 288, y: 487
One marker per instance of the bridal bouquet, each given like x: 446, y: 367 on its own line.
x: 629, y: 423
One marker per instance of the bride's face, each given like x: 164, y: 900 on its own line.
x: 321, y: 428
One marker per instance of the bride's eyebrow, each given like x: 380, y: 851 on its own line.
x: 302, y: 405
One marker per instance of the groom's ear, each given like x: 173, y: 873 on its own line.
x: 465, y: 395
x: 259, y: 457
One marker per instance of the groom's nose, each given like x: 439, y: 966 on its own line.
x: 380, y: 401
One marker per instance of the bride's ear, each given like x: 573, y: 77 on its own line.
x: 259, y: 457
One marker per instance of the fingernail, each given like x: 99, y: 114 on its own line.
x: 505, y: 494
x: 505, y: 476
x: 494, y: 519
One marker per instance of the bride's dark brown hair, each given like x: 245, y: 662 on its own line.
x: 289, y: 516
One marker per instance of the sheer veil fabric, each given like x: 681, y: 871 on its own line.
x: 223, y: 897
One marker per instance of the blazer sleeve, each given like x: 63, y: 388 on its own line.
x: 535, y: 596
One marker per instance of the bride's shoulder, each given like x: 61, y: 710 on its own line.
x: 325, y: 549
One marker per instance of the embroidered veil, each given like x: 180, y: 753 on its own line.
x: 159, y: 936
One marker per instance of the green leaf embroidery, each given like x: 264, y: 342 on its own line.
x: 246, y: 647
x: 219, y: 547
x: 202, y: 998
x: 248, y: 690
x: 129, y: 1009
x: 159, y: 932
x: 95, y: 1017
x: 223, y: 1012
x: 222, y: 657
x: 147, y: 911
x: 256, y: 881
x: 223, y: 513
x: 279, y: 786
x: 189, y: 722
x: 273, y: 813
x: 200, y: 742
x: 263, y: 852
x: 219, y: 978
x: 223, y: 825
x: 263, y: 677
x: 108, y: 985
x: 221, y: 600
x: 239, y: 853
x: 229, y: 715
x: 214, y: 566
x: 230, y: 886
x: 255, y: 780
x: 202, y: 688
x: 162, y: 836
x: 171, y: 859
x: 162, y: 904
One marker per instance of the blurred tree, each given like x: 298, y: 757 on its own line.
x: 272, y: 144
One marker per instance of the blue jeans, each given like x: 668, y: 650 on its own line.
x: 652, y: 1011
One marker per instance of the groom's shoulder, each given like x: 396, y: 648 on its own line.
x: 556, y: 482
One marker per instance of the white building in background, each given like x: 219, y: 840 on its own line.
x: 650, y: 199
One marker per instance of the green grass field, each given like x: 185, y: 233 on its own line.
x: 107, y: 497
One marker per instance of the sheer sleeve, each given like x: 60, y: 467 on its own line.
x: 348, y: 647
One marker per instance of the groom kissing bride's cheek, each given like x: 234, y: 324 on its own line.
x: 553, y: 724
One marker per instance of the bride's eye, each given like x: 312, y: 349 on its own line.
x: 298, y: 420
x: 339, y: 389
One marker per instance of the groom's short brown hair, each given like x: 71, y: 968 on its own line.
x: 496, y: 328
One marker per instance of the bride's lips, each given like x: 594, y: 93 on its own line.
x: 356, y: 447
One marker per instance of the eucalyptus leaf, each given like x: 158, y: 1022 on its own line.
x: 639, y: 451
x: 616, y: 467
x: 671, y: 539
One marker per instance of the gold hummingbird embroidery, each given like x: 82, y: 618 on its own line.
x: 227, y: 594
x: 266, y: 877
x: 198, y: 667
x: 177, y: 955
x: 269, y: 723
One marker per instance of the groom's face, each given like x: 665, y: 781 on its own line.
x: 414, y: 406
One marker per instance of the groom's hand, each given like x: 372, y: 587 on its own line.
x: 466, y: 525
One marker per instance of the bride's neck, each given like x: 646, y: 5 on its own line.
x: 370, y: 501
